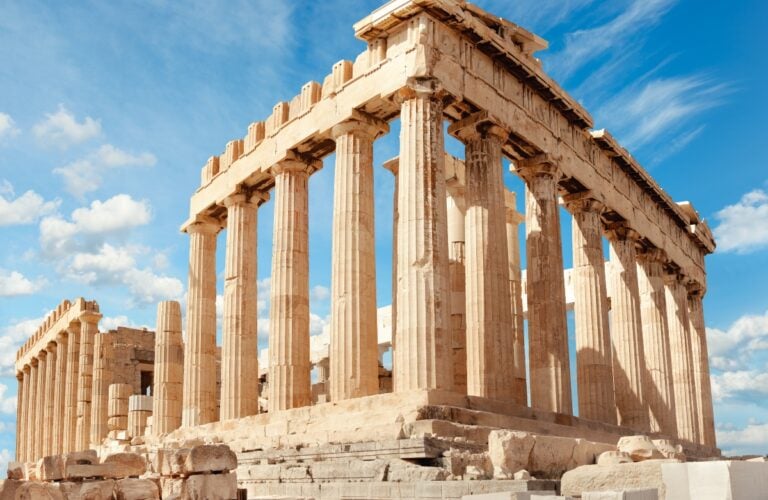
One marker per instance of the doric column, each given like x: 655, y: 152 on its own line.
x: 102, y: 378
x: 514, y: 219
x: 239, y: 350
x: 62, y: 355
x: 393, y: 166
x: 490, y: 339
x: 547, y: 327
x: 73, y: 379
x: 199, y: 402
x: 456, y: 269
x: 49, y: 396
x: 683, y: 380
x: 31, y: 424
x: 89, y: 322
x: 354, y: 369
x: 701, y: 364
x: 289, y: 367
x: 594, y: 369
x: 627, y: 330
x: 40, y: 401
x: 20, y: 395
x: 169, y: 366
x: 422, y: 355
x: 658, y: 361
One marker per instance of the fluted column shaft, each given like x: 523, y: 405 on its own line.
x: 199, y: 399
x: 457, y: 271
x: 514, y: 218
x: 683, y: 379
x: 40, y: 403
x: 57, y: 436
x: 394, y: 167
x: 627, y: 331
x: 31, y: 424
x: 547, y: 328
x: 354, y: 342
x: 20, y: 395
x: 700, y: 355
x: 239, y: 350
x: 103, y: 353
x: 72, y: 381
x: 89, y: 328
x: 169, y: 366
x: 422, y: 357
x: 594, y: 369
x: 289, y: 366
x: 49, y: 398
x: 658, y: 389
x: 490, y: 339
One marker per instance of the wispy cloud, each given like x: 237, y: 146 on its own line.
x: 536, y: 15
x: 743, y: 226
x: 734, y: 348
x: 62, y: 129
x: 749, y: 440
x: 7, y: 126
x: 585, y: 46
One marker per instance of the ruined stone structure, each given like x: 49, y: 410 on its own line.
x: 64, y: 372
x: 460, y: 300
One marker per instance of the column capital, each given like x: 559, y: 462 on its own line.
x: 51, y: 347
x: 479, y: 125
x: 360, y: 123
x: 541, y: 165
x: 203, y: 224
x: 20, y: 375
x: 90, y: 317
x: 673, y: 276
x: 695, y: 289
x: 393, y: 165
x: 257, y: 198
x: 652, y: 254
x: 583, y: 201
x: 26, y: 368
x: 620, y: 231
x: 41, y: 355
x: 424, y: 88
x: 62, y: 335
x: 296, y: 163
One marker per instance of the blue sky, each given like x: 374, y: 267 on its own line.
x: 109, y: 110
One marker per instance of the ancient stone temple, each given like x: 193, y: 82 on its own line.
x: 462, y: 307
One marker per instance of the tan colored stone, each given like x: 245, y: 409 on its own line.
x: 136, y: 489
x: 640, y: 475
x: 209, y: 458
x: 700, y: 358
x: 73, y: 381
x: 88, y: 490
x: 171, y: 488
x: 169, y: 370
x: 132, y: 463
x: 510, y: 451
x: 614, y: 458
x: 15, y: 470
x: 521, y: 475
x: 551, y: 456
x: 38, y: 491
x: 51, y: 468
x: 59, y: 404
x: 211, y: 487
x: 514, y: 218
x: 89, y: 321
x: 639, y: 448
x: 8, y: 488
x: 669, y: 450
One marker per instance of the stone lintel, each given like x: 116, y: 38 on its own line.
x: 652, y: 254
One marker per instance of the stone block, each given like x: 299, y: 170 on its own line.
x: 136, y: 489
x: 211, y: 487
x: 171, y: 488
x: 129, y: 464
x: 15, y: 470
x: 402, y: 471
x: 8, y: 488
x: 644, y: 494
x: 522, y: 475
x: 669, y: 450
x: 638, y: 475
x: 30, y: 471
x: 510, y: 451
x: 551, y: 456
x: 614, y: 458
x: 87, y: 457
x: 168, y: 462
x: 88, y: 490
x: 51, y: 468
x: 210, y: 458
x: 639, y: 448
x: 33, y: 490
x: 586, y: 452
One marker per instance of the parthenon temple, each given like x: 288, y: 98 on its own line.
x: 479, y: 334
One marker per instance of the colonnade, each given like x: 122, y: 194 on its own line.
x: 641, y: 359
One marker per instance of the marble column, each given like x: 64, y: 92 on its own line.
x: 169, y: 366
x: 594, y: 368
x: 89, y: 322
x: 103, y: 353
x: 72, y: 380
x: 547, y: 327
x: 422, y: 355
x: 31, y: 424
x: 490, y: 338
x: 658, y: 389
x: 239, y: 350
x: 57, y: 435
x: 393, y: 166
x: 354, y: 369
x: 40, y: 399
x: 457, y: 271
x: 289, y: 366
x: 627, y: 330
x: 49, y: 395
x: 199, y: 398
x: 20, y: 395
x: 514, y: 219
x: 683, y: 380
x: 700, y: 358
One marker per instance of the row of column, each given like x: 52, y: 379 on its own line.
x: 635, y: 368
x: 55, y: 394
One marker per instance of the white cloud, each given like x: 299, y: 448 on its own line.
x: 86, y: 174
x: 319, y: 293
x: 25, y: 209
x: 108, y: 323
x: 7, y: 403
x: 13, y: 283
x: 750, y: 440
x: 63, y: 130
x: 744, y: 385
x: 585, y: 46
x: 11, y: 338
x: 90, y: 226
x: 5, y: 457
x: 7, y: 126
x: 743, y: 227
